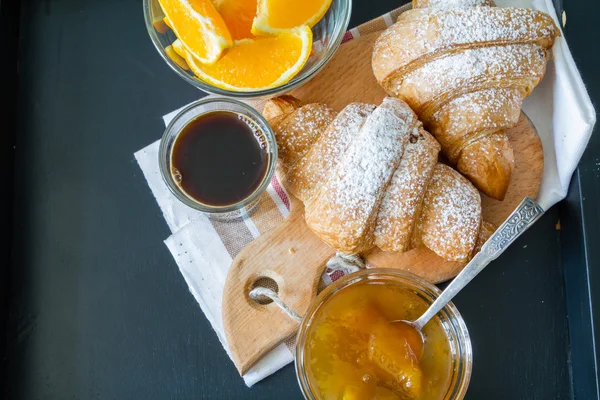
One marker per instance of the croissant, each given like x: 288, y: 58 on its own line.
x: 465, y: 72
x: 369, y: 176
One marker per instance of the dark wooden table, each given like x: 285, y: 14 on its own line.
x: 94, y: 305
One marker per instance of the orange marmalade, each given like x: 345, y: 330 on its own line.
x: 354, y: 350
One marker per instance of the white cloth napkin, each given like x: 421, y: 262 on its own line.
x: 561, y: 110
x: 559, y: 107
x: 202, y: 257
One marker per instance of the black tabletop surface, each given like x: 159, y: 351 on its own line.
x: 96, y: 307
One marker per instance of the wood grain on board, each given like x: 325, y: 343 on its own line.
x: 293, y: 257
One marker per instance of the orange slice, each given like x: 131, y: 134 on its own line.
x: 238, y: 16
x: 255, y: 64
x: 160, y: 25
x: 177, y: 46
x: 174, y: 55
x: 199, y: 26
x: 158, y: 17
x: 273, y: 16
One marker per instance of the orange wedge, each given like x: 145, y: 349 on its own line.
x: 238, y: 16
x: 273, y: 16
x: 174, y: 55
x: 177, y: 46
x: 160, y: 25
x: 199, y: 26
x: 255, y: 64
x: 158, y: 17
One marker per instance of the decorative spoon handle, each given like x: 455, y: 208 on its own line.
x: 518, y: 222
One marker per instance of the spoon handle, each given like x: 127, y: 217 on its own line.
x: 518, y: 222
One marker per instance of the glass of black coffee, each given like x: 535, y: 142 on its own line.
x: 218, y: 156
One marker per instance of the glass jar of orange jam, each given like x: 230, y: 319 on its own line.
x: 349, y: 346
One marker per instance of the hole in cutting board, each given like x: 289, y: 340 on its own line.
x: 267, y: 283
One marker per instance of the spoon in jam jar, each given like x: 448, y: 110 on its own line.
x: 517, y: 222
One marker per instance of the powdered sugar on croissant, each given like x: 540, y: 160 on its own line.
x: 344, y: 211
x: 403, y: 199
x: 451, y: 3
x: 306, y: 176
x: 372, y: 178
x: 439, y: 59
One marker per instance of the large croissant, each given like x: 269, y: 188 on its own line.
x: 465, y: 72
x: 370, y: 176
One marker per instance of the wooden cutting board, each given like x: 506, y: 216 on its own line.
x: 294, y: 258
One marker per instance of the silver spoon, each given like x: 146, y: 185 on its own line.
x: 518, y: 222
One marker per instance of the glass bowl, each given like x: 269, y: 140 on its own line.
x: 192, y: 112
x: 450, y: 318
x: 327, y: 36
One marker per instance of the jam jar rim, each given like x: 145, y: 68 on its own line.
x: 461, y: 340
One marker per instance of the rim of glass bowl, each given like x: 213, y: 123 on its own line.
x: 461, y: 377
x: 168, y: 138
x: 295, y: 82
